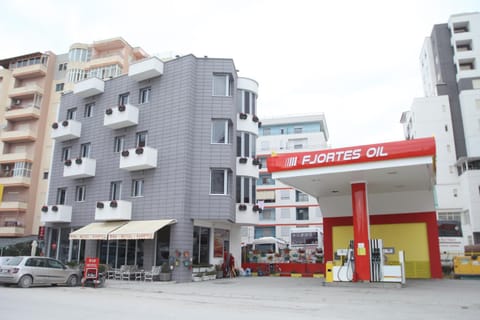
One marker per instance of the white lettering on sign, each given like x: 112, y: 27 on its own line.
x: 343, y: 155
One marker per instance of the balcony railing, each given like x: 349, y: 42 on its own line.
x: 79, y: 168
x: 248, y: 167
x: 56, y: 213
x: 248, y: 123
x: 246, y: 214
x: 146, y: 69
x: 121, y: 117
x: 89, y: 87
x: 30, y: 71
x: 15, y: 113
x: 141, y: 158
x: 113, y: 210
x: 25, y: 135
x: 25, y: 91
x: 66, y: 130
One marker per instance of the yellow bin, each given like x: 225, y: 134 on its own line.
x: 329, y: 271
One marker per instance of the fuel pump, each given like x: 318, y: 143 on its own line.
x: 346, y: 269
x: 376, y: 260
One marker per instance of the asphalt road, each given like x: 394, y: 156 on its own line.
x: 244, y: 298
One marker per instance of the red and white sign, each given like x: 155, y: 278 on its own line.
x: 350, y: 155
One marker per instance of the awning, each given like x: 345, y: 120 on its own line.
x: 96, y: 230
x: 140, y: 229
x: 266, y: 195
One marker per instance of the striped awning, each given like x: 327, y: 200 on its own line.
x: 96, y: 230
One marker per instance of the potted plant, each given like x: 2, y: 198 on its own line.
x: 55, y: 125
x: 44, y: 208
x: 165, y: 272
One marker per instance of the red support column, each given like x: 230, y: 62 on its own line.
x: 361, y: 232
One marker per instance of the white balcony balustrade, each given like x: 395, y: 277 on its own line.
x: 89, y: 87
x: 248, y: 167
x: 146, y: 69
x: 56, y: 213
x: 141, y: 158
x: 246, y: 214
x: 66, y: 130
x: 79, y: 168
x: 113, y: 210
x: 121, y: 117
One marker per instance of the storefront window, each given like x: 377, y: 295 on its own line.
x: 201, y: 245
x: 163, y: 246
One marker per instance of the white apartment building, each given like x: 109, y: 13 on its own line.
x: 450, y: 111
x: 283, y: 206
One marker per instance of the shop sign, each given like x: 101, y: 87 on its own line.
x: 351, y: 155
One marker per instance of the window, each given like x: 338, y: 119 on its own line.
x: 123, y: 99
x: 298, y: 130
x: 144, y: 95
x: 72, y: 114
x: 201, y: 245
x: 115, y: 190
x: 45, y: 175
x: 246, y: 145
x: 137, y: 188
x: 267, y: 214
x: 300, y: 196
x: 59, y: 87
x: 284, y: 194
x: 245, y: 190
x: 80, y: 193
x: 221, y: 130
x: 302, y: 213
x: 266, y: 179
x: 220, y: 181
x: 222, y: 85
x: 85, y: 149
x: 118, y: 144
x: 141, y: 139
x: 246, y: 102
x: 264, y: 232
x: 66, y: 153
x: 267, y: 131
x: 264, y: 145
x: 61, y: 196
x: 88, y: 110
x: 22, y: 169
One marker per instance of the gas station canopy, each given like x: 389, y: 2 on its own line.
x: 399, y: 176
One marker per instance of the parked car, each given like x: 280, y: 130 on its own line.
x: 4, y: 260
x: 28, y: 271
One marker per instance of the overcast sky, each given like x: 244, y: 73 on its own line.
x: 356, y: 61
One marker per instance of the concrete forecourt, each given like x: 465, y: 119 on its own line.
x: 246, y: 298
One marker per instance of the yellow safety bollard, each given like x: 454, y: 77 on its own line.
x: 329, y: 271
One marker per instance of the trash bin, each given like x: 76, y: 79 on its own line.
x: 329, y: 271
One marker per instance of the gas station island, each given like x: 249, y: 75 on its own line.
x: 378, y: 207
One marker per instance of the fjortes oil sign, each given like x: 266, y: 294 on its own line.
x: 350, y: 155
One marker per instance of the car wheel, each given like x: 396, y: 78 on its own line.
x: 72, y: 281
x: 25, y: 282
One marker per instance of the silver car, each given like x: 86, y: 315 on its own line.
x: 28, y: 271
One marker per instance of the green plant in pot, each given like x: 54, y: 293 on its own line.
x: 165, y: 272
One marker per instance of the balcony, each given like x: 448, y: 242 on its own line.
x: 141, y: 158
x: 89, y: 87
x: 113, y: 210
x: 24, y: 135
x: 79, y: 168
x: 114, y: 59
x: 247, y: 123
x: 15, y: 157
x: 25, y: 91
x: 31, y: 71
x: 12, y: 231
x: 248, y: 167
x: 67, y: 130
x: 56, y: 213
x: 8, y: 206
x: 16, y: 113
x: 7, y: 179
x: 146, y: 69
x: 245, y: 214
x: 121, y: 117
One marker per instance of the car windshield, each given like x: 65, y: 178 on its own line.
x: 15, y: 261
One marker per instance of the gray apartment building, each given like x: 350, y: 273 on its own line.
x: 154, y: 166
